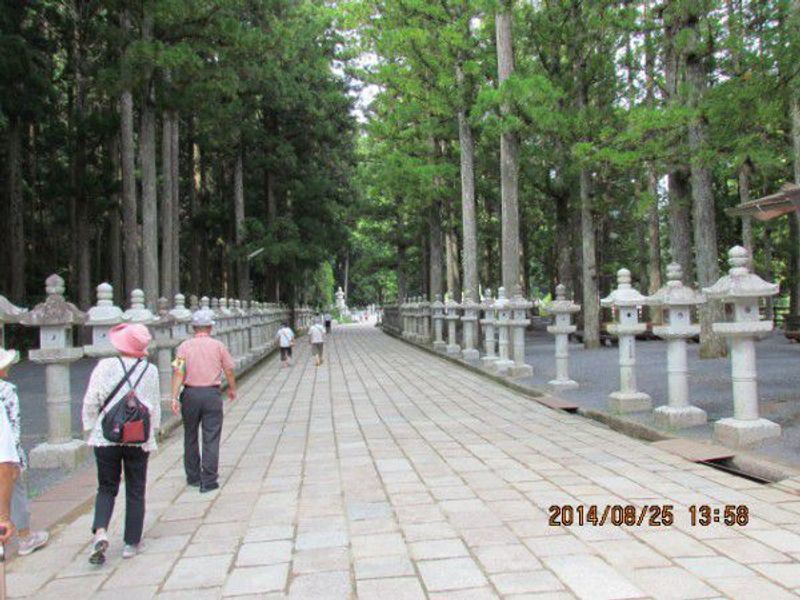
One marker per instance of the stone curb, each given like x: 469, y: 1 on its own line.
x: 744, y: 461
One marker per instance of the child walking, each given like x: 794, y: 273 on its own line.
x: 285, y: 338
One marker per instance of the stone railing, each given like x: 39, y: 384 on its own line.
x: 390, y: 320
x: 491, y: 334
x: 247, y: 328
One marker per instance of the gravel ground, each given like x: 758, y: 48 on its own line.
x: 597, y: 372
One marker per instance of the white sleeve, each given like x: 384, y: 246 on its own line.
x: 96, y: 393
x: 8, y: 445
x: 152, y: 392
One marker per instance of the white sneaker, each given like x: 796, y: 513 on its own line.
x: 129, y: 551
x: 36, y: 540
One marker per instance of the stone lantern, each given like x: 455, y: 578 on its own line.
x: 502, y: 309
x: 55, y: 318
x: 625, y: 301
x: 182, y: 316
x: 102, y: 317
x: 518, y: 324
x: 162, y: 329
x: 743, y: 290
x: 451, y: 306
x: 138, y: 312
x: 8, y: 314
x: 205, y: 304
x: 438, y: 324
x: 425, y: 317
x: 470, y: 328
x: 562, y: 310
x: 194, y: 303
x: 488, y: 323
x: 677, y: 301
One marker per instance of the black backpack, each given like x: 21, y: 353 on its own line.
x: 128, y: 421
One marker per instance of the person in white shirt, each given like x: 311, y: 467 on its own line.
x: 123, y: 378
x: 285, y: 337
x: 316, y: 335
x: 13, y: 463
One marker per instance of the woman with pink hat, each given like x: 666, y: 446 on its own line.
x: 122, y: 413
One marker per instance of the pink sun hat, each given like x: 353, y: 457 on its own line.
x: 131, y: 339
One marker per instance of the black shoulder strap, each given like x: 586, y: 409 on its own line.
x: 120, y: 384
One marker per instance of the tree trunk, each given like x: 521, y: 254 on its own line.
x: 469, y: 256
x: 591, y: 291
x: 130, y: 218
x: 147, y: 166
x: 564, y: 244
x: 16, y: 222
x: 794, y: 229
x: 115, y: 229
x: 703, y: 216
x: 165, y: 212
x: 402, y: 286
x: 435, y: 257
x: 653, y: 234
x: 195, y: 199
x: 745, y: 171
x: 680, y: 237
x: 451, y: 259
x: 175, y: 250
x: 242, y: 275
x: 509, y: 156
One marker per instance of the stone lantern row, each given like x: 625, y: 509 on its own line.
x: 740, y: 289
x: 504, y: 323
x: 247, y: 328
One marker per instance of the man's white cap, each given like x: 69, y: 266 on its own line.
x: 203, y: 318
x: 8, y: 358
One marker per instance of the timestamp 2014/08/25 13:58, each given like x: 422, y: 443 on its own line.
x: 649, y: 515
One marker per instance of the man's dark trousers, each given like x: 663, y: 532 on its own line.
x: 201, y: 408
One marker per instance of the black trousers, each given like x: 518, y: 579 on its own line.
x: 201, y: 409
x: 111, y: 462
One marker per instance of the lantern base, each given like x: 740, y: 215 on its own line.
x: 501, y: 367
x: 563, y: 384
x: 471, y: 355
x: 453, y: 350
x: 440, y: 347
x: 520, y: 371
x: 59, y: 456
x: 737, y: 433
x: 679, y: 417
x: 627, y: 402
x: 488, y: 362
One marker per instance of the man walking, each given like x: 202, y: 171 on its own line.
x: 198, y: 367
x: 316, y: 334
x: 285, y: 337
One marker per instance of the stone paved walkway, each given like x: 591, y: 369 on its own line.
x: 391, y: 474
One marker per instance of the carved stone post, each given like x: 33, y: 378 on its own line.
x: 519, y: 323
x: 438, y: 325
x: 743, y: 290
x: 502, y: 309
x: 470, y: 328
x: 562, y: 309
x: 101, y: 318
x: 489, y: 323
x: 453, y: 349
x: 678, y: 301
x: 626, y: 302
x: 55, y: 318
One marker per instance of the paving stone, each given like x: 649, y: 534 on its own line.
x: 396, y: 588
x: 506, y: 559
x: 748, y: 588
x: 526, y: 582
x: 256, y: 580
x: 786, y: 574
x: 382, y: 544
x: 438, y: 549
x: 450, y: 574
x: 483, y: 593
x: 671, y: 583
x: 264, y: 553
x: 203, y: 571
x: 334, y: 585
x: 383, y: 566
x: 590, y: 578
